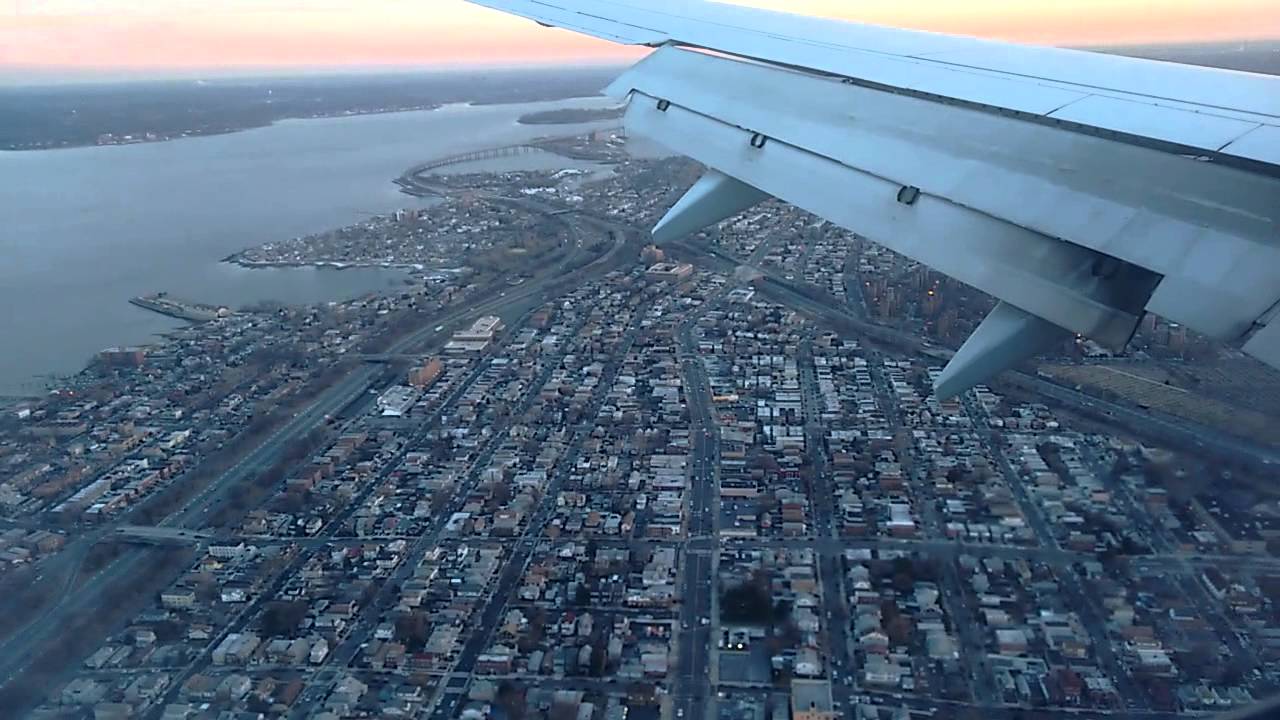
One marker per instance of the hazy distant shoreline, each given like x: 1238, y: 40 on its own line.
x: 1255, y: 56
x: 80, y: 115
x: 70, y: 116
x: 531, y: 119
x: 570, y: 116
x: 211, y: 132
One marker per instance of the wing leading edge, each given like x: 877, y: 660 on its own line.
x: 1081, y: 191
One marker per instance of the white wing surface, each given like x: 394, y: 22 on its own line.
x: 1080, y: 189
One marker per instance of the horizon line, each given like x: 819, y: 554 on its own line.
x: 11, y: 75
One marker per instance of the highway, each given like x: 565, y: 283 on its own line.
x: 21, y: 648
x: 692, y: 694
x: 839, y: 639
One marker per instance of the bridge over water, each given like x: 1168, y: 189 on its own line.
x: 412, y: 182
x: 473, y: 156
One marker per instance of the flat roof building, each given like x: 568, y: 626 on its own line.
x: 484, y: 328
x: 811, y: 700
x: 397, y: 401
x: 670, y: 272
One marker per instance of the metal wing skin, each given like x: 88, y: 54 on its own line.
x: 1081, y: 190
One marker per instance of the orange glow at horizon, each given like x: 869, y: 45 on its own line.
x: 184, y: 34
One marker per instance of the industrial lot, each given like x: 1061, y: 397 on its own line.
x: 622, y: 482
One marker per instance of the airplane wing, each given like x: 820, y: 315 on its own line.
x: 1081, y: 190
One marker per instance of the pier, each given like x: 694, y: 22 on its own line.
x: 181, y: 309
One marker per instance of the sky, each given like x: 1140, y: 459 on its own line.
x: 38, y: 36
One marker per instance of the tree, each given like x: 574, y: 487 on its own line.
x: 1121, y: 466
x: 642, y: 694
x: 168, y: 631
x: 904, y: 574
x: 101, y: 554
x: 1199, y: 659
x: 750, y: 603
x: 903, y: 582
x: 439, y: 502
x: 368, y: 594
x: 411, y: 629
x: 293, y: 502
x: 272, y: 477
x: 899, y: 630
x: 206, y: 587
x: 598, y: 659
x: 239, y: 498
x: 511, y: 699
x: 282, y: 618
x: 1235, y: 670
x: 501, y: 493
x: 256, y: 703
x: 789, y: 635
x: 768, y: 503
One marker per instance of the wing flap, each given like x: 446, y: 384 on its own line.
x: 1000, y: 76
x: 1080, y: 189
x: 1262, y: 144
x: 1265, y: 344
x: 1024, y: 268
x: 1200, y: 225
x: 1172, y: 125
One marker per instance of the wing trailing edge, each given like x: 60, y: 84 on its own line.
x: 1081, y: 191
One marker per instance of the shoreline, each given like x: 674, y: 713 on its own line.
x: 572, y: 116
x: 236, y: 259
x: 410, y: 183
x: 192, y: 134
x: 66, y: 355
x: 8, y: 402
